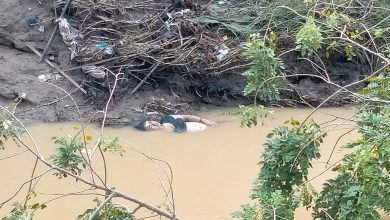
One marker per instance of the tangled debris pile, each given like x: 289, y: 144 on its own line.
x: 134, y: 38
x: 168, y: 33
x: 188, y: 48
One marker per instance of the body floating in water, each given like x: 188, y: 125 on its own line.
x: 178, y: 123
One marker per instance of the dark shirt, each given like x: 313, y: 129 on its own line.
x: 178, y: 123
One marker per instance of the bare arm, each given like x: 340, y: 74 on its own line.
x: 188, y: 118
x: 193, y: 118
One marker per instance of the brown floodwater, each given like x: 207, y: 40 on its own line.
x: 213, y: 170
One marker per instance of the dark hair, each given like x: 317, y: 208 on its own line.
x: 141, y: 125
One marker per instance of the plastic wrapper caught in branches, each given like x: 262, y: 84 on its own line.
x: 70, y: 37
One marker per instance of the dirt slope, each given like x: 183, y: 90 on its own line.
x: 46, y: 101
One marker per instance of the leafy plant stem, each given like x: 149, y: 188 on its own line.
x: 30, y: 184
x: 93, y: 215
x: 22, y: 185
x: 334, y: 146
x: 104, y: 164
x: 104, y: 188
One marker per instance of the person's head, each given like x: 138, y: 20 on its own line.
x: 147, y: 125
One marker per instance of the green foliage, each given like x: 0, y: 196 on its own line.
x: 334, y: 19
x: 287, y: 156
x: 354, y: 35
x: 308, y: 2
x: 344, y: 199
x: 37, y: 206
x: 276, y: 205
x: 68, y: 155
x: 286, y: 160
x: 8, y: 130
x: 362, y: 187
x: 25, y: 211
x: 379, y: 87
x: 348, y: 49
x: 309, y: 37
x: 378, y: 33
x: 363, y: 184
x: 248, y: 212
x: 19, y: 212
x: 264, y: 76
x: 109, y: 211
x: 250, y: 115
x: 111, y: 144
x: 308, y: 195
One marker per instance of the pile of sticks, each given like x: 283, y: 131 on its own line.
x: 150, y: 32
x: 137, y: 38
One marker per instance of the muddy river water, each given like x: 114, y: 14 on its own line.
x: 213, y: 169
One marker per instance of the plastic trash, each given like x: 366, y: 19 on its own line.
x: 49, y: 76
x: 32, y: 20
x: 101, y: 46
x: 169, y: 34
x: 70, y: 36
x: 94, y: 71
x: 22, y: 95
x: 222, y: 52
x: 152, y: 113
x: 41, y: 28
x: 108, y: 49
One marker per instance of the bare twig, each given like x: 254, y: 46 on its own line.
x: 170, y: 179
x: 21, y: 187
x: 109, y: 191
x: 13, y: 155
x: 335, y: 145
x: 155, y: 66
x: 30, y: 184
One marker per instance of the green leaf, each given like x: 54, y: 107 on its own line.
x: 270, y: 135
x: 309, y: 37
x: 378, y: 33
x: 111, y: 144
x: 35, y: 206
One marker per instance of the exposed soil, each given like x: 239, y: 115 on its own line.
x: 173, y: 93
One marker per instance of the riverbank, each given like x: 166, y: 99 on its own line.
x: 43, y: 95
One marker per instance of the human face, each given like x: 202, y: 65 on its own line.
x: 152, y: 125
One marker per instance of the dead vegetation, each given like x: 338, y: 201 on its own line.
x: 148, y: 40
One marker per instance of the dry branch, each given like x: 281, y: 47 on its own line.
x: 57, y: 68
